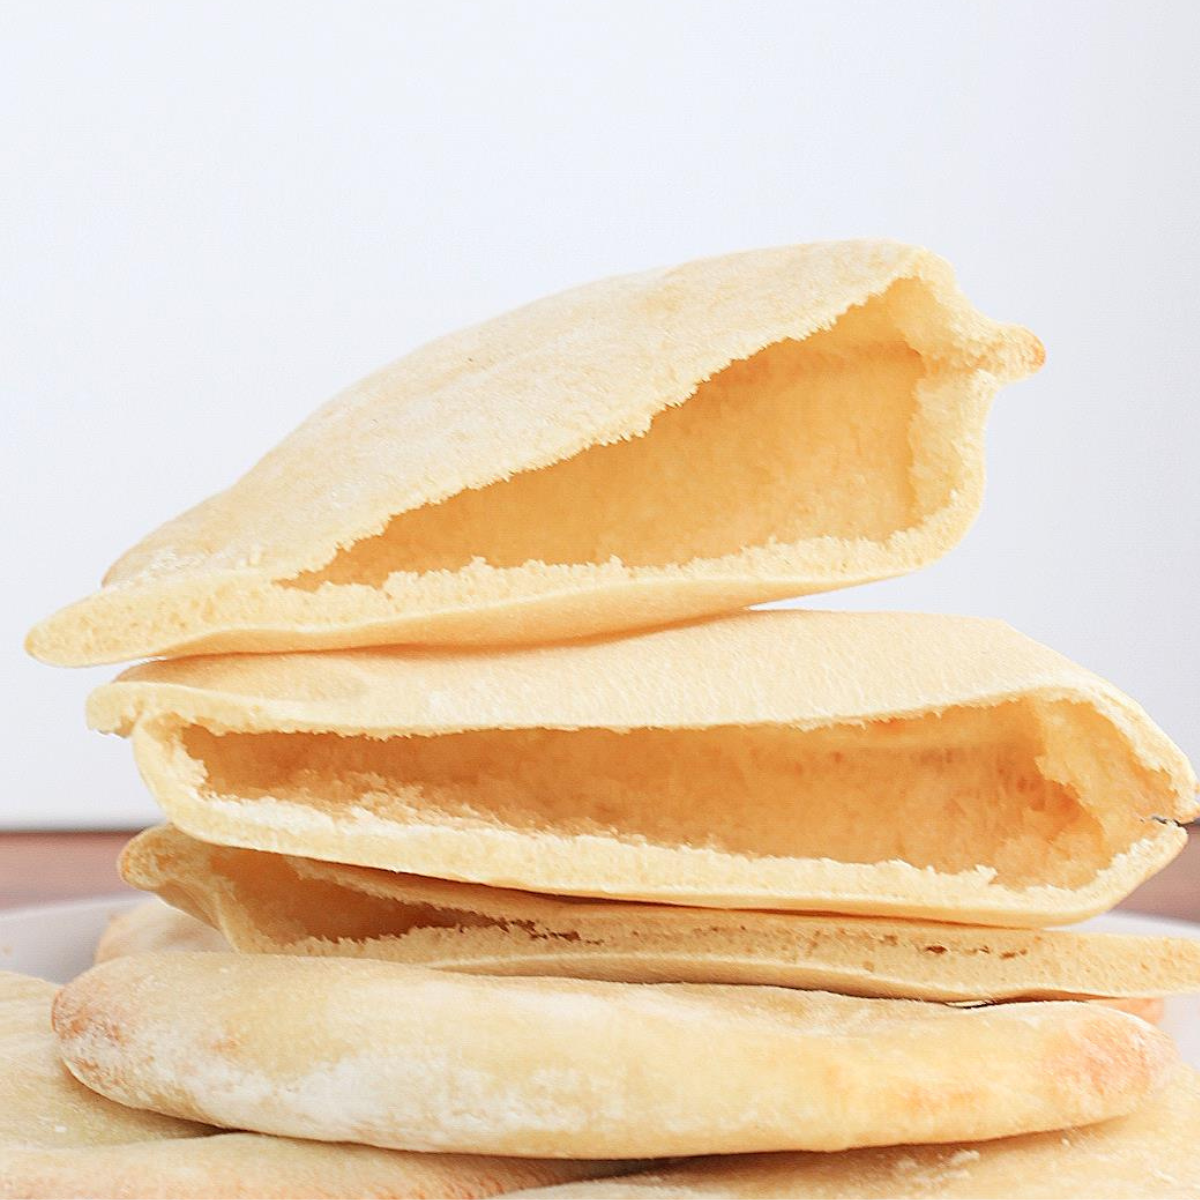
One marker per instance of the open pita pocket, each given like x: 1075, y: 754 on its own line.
x: 393, y: 1055
x: 61, y: 1139
x: 886, y: 764
x: 1152, y: 1152
x: 641, y: 450
x: 280, y: 904
x: 155, y: 926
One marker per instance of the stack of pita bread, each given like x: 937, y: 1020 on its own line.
x: 506, y: 853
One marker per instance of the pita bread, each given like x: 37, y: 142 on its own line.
x: 1149, y: 1008
x: 274, y: 903
x: 393, y: 1055
x: 40, y: 1103
x: 255, y: 1167
x: 155, y: 926
x: 1152, y: 1152
x: 59, y: 1138
x: 637, y: 451
x: 885, y: 764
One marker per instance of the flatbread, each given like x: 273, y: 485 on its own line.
x: 641, y: 450
x: 1152, y: 1152
x: 1149, y: 1008
x: 155, y: 926
x: 884, y: 764
x: 256, y: 1167
x: 40, y: 1103
x: 280, y: 904
x: 60, y: 1139
x: 387, y: 1054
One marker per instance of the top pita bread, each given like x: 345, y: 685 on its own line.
x: 639, y: 450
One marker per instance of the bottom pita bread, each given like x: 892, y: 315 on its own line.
x: 59, y: 1139
x: 1149, y: 1153
x: 393, y: 1055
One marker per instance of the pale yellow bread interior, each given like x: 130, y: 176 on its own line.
x: 1151, y: 1152
x: 61, y: 1139
x: 640, y: 450
x: 281, y: 904
x: 889, y: 764
x: 150, y: 927
x: 388, y: 1054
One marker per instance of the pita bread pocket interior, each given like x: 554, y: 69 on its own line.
x: 883, y: 764
x: 59, y: 1139
x: 1152, y: 1152
x: 393, y: 1055
x: 637, y: 451
x: 280, y: 904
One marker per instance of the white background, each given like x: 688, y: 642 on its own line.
x: 215, y: 215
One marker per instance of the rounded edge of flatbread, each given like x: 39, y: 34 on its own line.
x: 385, y: 1054
x: 530, y: 389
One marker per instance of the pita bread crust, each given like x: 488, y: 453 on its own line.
x: 800, y: 669
x: 256, y: 1167
x: 277, y: 904
x: 535, y: 387
x: 61, y: 1139
x: 40, y: 1103
x: 1152, y: 1152
x: 155, y: 926
x: 392, y: 1055
x: 252, y: 1166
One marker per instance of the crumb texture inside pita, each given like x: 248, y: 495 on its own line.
x: 1017, y: 788
x: 894, y: 764
x: 638, y: 451
x: 805, y: 439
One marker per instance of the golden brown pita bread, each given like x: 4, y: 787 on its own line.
x: 60, y: 1139
x: 393, y: 1055
x: 887, y: 764
x: 280, y: 904
x: 1152, y: 1152
x: 40, y: 1103
x: 637, y: 451
x: 155, y: 926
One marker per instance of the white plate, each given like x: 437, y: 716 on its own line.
x: 56, y: 942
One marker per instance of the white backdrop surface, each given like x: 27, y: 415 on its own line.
x: 216, y: 214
